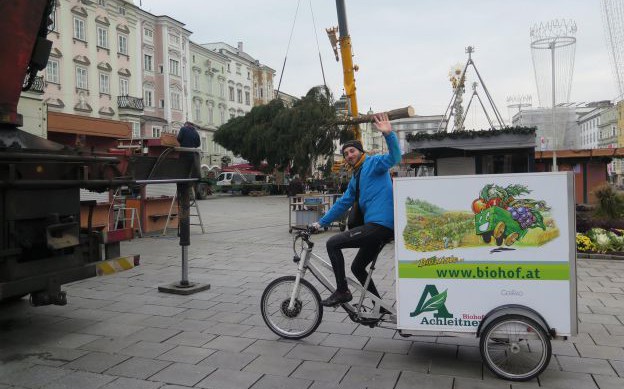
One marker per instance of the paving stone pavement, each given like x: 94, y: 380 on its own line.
x: 118, y: 331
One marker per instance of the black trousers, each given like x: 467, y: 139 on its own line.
x: 369, y: 238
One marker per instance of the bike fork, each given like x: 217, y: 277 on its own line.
x: 301, y: 269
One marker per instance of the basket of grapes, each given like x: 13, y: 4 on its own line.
x: 501, y: 215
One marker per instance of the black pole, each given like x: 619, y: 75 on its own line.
x: 343, y: 29
x: 184, y: 220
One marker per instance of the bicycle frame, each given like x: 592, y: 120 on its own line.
x: 316, y: 263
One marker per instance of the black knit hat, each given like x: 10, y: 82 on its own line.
x: 352, y: 143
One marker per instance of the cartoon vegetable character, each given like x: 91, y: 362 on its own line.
x: 505, y: 217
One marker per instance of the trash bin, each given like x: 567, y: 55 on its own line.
x: 305, y: 217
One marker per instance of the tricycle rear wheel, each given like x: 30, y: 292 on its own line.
x: 515, y: 347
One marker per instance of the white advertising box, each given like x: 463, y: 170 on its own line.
x: 465, y: 245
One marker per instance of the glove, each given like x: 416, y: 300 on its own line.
x: 315, y: 226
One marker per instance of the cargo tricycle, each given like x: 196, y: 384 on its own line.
x: 468, y: 262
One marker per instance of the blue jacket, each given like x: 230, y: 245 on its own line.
x: 188, y: 137
x: 375, y: 189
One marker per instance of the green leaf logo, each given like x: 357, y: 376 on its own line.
x: 433, y: 304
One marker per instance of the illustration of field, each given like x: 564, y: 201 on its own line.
x: 499, y: 216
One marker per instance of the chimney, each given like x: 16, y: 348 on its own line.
x: 240, y: 47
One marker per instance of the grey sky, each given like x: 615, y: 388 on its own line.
x: 404, y: 48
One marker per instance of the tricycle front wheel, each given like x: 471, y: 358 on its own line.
x: 515, y: 347
x: 294, y: 322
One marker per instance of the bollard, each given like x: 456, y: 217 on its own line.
x: 184, y: 287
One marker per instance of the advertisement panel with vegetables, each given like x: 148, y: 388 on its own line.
x: 467, y: 244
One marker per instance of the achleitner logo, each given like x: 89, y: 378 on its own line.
x: 442, y: 317
x: 435, y: 303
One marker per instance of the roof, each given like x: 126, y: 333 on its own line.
x: 510, y: 138
x: 583, y: 154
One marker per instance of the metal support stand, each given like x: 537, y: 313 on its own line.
x: 184, y: 287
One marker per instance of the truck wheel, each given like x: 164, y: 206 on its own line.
x: 499, y: 240
x: 511, y: 239
x: 487, y: 237
x: 499, y: 230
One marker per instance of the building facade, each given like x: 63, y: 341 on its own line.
x: 566, y: 132
x: 609, y: 139
x: 262, y: 84
x: 590, y: 125
x: 165, y: 68
x: 207, y: 100
x: 92, y: 69
x: 429, y: 124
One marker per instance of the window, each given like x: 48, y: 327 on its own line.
x: 222, y: 115
x: 210, y: 114
x: 102, y: 3
x: 196, y: 80
x: 148, y: 34
x: 231, y: 93
x: 248, y: 75
x: 104, y: 83
x: 79, y: 29
x: 148, y: 62
x: 136, y: 130
x: 238, y: 68
x: 239, y: 96
x: 156, y: 132
x: 261, y: 93
x: 122, y: 11
x: 174, y: 67
x: 53, y: 26
x: 174, y: 39
x: 228, y: 67
x: 148, y: 98
x: 247, y: 100
x: 196, y: 110
x: 124, y: 86
x: 82, y: 81
x: 176, y: 100
x: 221, y: 90
x: 102, y: 37
x: 123, y: 44
x: 209, y: 89
x: 52, y: 72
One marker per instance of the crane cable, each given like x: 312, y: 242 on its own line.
x: 317, y: 46
x: 288, y: 48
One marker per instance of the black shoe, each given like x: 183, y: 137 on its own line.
x: 338, y: 297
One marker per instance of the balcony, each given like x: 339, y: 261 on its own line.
x: 129, y: 102
x: 38, y: 85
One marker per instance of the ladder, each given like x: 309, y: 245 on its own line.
x: 120, y: 212
x: 193, y: 204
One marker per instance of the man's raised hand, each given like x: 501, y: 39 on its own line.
x: 382, y: 123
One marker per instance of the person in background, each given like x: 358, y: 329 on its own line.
x: 189, y: 137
